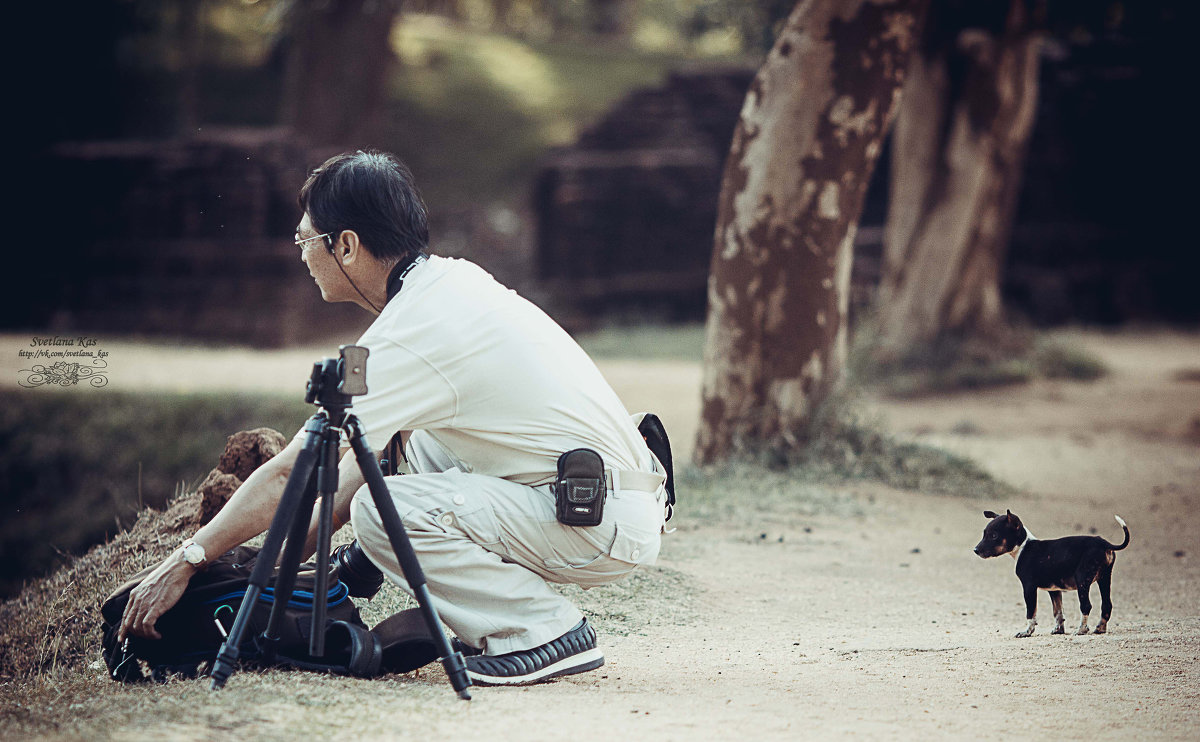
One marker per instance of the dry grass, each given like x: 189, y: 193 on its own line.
x: 841, y: 442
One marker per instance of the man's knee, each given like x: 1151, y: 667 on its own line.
x: 365, y: 515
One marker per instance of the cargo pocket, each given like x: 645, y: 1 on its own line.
x: 477, y: 524
x: 572, y: 548
x: 635, y: 546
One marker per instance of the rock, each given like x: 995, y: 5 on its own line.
x: 247, y: 450
x: 215, y: 491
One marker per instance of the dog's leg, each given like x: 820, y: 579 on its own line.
x: 1059, y: 621
x: 1030, y: 611
x: 1085, y: 606
x: 1105, y: 582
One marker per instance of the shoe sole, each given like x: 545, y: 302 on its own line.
x: 576, y: 663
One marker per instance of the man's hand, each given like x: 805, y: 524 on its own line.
x: 155, y: 596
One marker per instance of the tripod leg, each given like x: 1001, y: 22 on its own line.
x: 289, y: 566
x: 327, y: 485
x: 453, y: 662
x: 293, y: 494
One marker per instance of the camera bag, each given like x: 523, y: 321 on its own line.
x: 655, y: 435
x: 194, y: 629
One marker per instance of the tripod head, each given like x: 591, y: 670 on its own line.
x: 335, y: 380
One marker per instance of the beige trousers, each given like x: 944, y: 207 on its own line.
x: 489, y: 547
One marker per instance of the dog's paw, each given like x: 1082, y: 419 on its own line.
x: 1082, y: 630
x: 1101, y: 629
x: 1059, y: 630
x: 1025, y: 634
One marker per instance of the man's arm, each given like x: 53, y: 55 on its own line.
x: 247, y: 514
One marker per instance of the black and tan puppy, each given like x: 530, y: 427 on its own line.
x: 1070, y: 563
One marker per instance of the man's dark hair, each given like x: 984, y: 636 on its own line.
x: 372, y: 193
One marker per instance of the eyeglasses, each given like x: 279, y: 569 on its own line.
x: 303, y: 243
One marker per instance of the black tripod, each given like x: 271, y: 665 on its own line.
x: 315, y: 474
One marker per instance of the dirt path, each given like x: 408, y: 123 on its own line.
x: 882, y: 624
x: 886, y: 626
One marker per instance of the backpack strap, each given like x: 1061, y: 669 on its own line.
x: 350, y: 649
x: 392, y: 455
x: 407, y: 643
x: 365, y: 649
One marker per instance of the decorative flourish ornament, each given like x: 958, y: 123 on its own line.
x: 66, y: 374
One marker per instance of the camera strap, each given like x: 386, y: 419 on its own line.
x: 401, y: 270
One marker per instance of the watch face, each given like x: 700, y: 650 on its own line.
x: 193, y: 554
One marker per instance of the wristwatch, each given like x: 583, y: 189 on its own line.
x: 193, y: 554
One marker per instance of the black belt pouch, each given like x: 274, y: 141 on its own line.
x: 579, y: 491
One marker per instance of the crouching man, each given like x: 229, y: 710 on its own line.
x: 488, y: 392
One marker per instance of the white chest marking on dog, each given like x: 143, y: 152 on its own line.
x: 1016, y: 552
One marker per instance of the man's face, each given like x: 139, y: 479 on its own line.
x: 322, y: 265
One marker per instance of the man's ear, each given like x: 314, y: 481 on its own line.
x: 347, y: 247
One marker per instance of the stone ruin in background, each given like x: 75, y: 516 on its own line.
x: 185, y: 238
x: 192, y: 237
x: 625, y: 216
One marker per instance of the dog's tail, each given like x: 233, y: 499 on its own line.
x: 1124, y: 543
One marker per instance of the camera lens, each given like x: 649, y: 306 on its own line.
x: 362, y: 577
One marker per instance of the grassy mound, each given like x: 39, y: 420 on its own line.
x: 843, y: 443
x: 955, y: 364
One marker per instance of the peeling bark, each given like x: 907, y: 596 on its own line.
x: 802, y: 155
x: 958, y: 155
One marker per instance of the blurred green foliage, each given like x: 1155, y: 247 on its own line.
x: 472, y: 110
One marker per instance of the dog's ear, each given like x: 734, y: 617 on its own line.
x: 989, y: 514
x: 1013, y: 520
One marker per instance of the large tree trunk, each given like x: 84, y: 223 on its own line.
x: 958, y: 154
x: 802, y: 155
x: 337, y: 70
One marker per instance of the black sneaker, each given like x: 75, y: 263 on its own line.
x: 574, y: 651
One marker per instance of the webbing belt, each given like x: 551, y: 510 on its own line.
x: 637, y: 481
